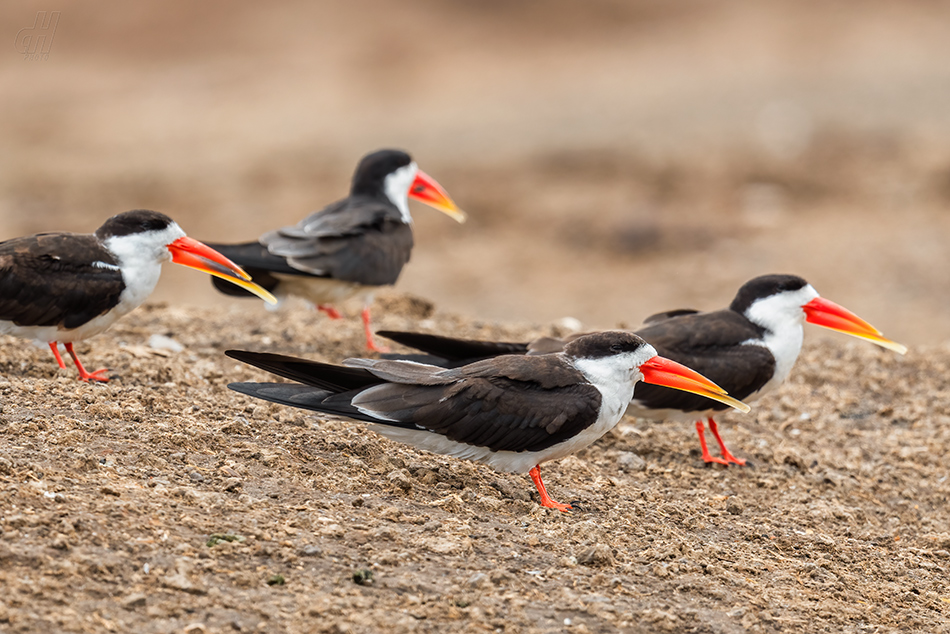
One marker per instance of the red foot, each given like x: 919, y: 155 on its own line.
x: 83, y: 374
x: 726, y: 454
x: 546, y: 500
x: 370, y: 344
x: 330, y: 311
x: 94, y: 376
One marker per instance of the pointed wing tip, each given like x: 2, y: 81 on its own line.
x: 243, y: 387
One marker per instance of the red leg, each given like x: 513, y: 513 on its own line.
x: 370, y: 344
x: 331, y: 312
x: 546, y: 500
x: 55, y: 348
x: 707, y: 457
x: 722, y: 446
x: 83, y: 375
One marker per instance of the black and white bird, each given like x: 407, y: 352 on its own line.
x: 510, y: 412
x: 67, y: 287
x: 748, y: 349
x: 351, y: 247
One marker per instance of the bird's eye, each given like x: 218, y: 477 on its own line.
x: 616, y: 348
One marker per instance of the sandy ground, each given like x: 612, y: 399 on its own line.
x: 617, y: 158
x: 112, y: 496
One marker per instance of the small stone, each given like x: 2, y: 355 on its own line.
x: 511, y: 491
x: 333, y: 530
x: 108, y: 490
x: 133, y: 601
x: 60, y: 542
x: 735, y: 506
x: 499, y: 577
x: 161, y: 342
x: 402, y: 480
x: 598, y: 555
x: 218, y: 538
x: 479, y: 580
x: 232, y: 484
x: 363, y: 577
x: 568, y: 325
x: 185, y: 493
x: 448, y: 545
x: 179, y: 580
x: 197, y: 477
x: 630, y: 462
x: 311, y: 550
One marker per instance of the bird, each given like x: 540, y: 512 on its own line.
x: 511, y: 412
x: 748, y: 348
x: 349, y: 248
x: 67, y: 287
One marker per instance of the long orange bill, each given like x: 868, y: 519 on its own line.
x: 196, y: 255
x: 825, y: 313
x: 425, y: 189
x: 662, y: 371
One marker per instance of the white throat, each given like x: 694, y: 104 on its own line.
x: 140, y: 257
x: 615, y: 377
x: 396, y: 186
x: 782, y: 318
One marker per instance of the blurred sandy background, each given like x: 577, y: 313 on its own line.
x: 617, y: 157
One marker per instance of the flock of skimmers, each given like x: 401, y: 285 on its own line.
x: 510, y: 405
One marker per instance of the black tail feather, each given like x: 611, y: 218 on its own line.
x: 257, y: 261
x: 334, y: 378
x: 458, y: 351
x: 306, y: 397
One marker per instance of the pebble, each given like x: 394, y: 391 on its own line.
x: 597, y: 555
x: 402, y: 480
x: 479, y: 580
x: 630, y: 462
x: 232, y: 484
x: 134, y: 600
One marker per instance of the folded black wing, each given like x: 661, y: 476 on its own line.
x: 57, y: 279
x: 512, y: 403
x: 359, y: 239
x: 714, y: 344
x: 452, y: 349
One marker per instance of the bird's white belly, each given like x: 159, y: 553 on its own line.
x: 638, y: 411
x: 322, y: 290
x: 54, y: 333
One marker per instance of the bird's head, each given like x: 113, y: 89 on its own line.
x: 776, y: 301
x: 615, y: 353
x: 394, y: 175
x: 143, y: 238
